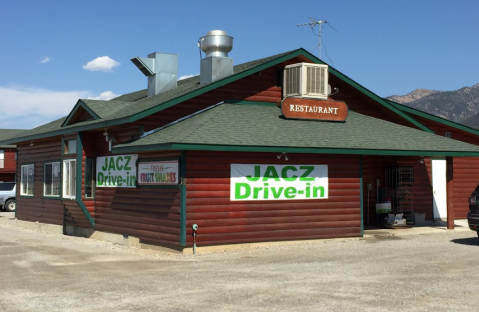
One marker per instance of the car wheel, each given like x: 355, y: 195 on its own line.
x: 10, y: 205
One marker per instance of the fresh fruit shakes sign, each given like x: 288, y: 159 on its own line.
x: 158, y: 172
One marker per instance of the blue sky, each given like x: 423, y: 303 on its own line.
x: 54, y: 52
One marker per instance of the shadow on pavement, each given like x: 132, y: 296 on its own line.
x: 471, y: 241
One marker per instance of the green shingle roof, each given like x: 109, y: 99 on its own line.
x: 416, y: 112
x: 240, y: 127
x: 9, y: 133
x: 135, y: 106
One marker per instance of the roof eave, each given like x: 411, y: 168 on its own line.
x: 428, y: 116
x: 289, y: 149
x: 62, y: 131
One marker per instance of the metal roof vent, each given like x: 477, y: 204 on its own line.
x: 161, y: 70
x: 216, y: 65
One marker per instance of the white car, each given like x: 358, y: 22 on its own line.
x: 8, y: 191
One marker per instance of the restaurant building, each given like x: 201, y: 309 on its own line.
x: 280, y: 148
x: 8, y: 162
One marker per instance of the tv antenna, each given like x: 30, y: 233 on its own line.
x: 313, y: 24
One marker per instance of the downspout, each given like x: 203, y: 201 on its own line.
x: 79, y: 180
x: 182, y: 187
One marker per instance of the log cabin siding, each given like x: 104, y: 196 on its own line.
x: 151, y: 214
x: 466, y: 178
x: 363, y: 104
x: 38, y: 208
x: 7, y: 173
x: 465, y: 168
x: 9, y: 163
x: 258, y: 87
x: 223, y: 221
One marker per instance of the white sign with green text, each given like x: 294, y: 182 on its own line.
x: 116, y: 171
x: 278, y: 182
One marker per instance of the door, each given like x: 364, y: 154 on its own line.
x: 439, y: 188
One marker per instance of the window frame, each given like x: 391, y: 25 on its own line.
x: 70, y: 177
x: 2, y: 159
x: 26, y: 166
x: 67, y: 146
x: 93, y: 178
x: 60, y: 182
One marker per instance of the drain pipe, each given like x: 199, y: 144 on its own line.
x: 195, y: 228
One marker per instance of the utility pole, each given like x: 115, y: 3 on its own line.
x: 312, y: 24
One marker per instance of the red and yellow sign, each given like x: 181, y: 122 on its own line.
x: 298, y: 108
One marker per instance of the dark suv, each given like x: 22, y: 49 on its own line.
x: 473, y: 214
x: 7, y: 196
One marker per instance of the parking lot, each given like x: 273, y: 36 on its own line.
x: 51, y: 272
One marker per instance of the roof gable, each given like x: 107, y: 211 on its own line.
x: 81, y: 112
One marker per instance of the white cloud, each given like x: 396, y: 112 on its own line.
x: 27, y: 108
x: 102, y: 63
x: 104, y: 96
x: 45, y: 59
x: 186, y: 76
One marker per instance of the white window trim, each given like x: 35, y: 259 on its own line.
x: 66, y: 176
x: 2, y: 159
x: 23, y: 182
x: 44, y: 176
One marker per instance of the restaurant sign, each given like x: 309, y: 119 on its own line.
x: 301, y: 108
x: 116, y: 171
x: 158, y: 172
x: 278, y: 182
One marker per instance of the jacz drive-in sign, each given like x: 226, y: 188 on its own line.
x: 278, y: 182
x: 116, y: 171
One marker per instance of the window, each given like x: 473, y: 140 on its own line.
x: 69, y: 178
x: 51, y: 179
x: 27, y: 180
x: 89, y: 177
x: 70, y: 147
x: 448, y: 135
x: 7, y: 186
x: 2, y: 159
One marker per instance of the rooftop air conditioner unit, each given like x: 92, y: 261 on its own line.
x: 306, y: 80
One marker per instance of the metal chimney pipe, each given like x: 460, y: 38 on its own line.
x: 216, y: 65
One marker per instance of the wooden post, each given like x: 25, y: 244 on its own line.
x: 450, y: 192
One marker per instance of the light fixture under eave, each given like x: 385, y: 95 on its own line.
x: 283, y: 154
x: 31, y: 143
x: 421, y: 160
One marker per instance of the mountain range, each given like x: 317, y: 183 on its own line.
x: 461, y: 106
